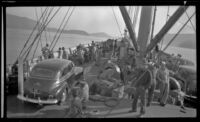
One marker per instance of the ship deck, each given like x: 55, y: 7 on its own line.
x: 19, y: 109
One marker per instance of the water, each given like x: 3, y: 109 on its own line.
x: 15, y: 39
x: 186, y: 53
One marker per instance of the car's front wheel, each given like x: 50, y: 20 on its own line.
x: 63, y: 97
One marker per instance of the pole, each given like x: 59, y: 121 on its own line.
x: 20, y: 77
x: 172, y: 20
x: 129, y: 26
x: 145, y: 27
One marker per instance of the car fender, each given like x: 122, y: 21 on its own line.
x: 60, y: 90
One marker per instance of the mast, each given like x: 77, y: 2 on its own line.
x: 145, y: 27
x: 153, y: 23
x: 129, y: 26
x: 172, y: 20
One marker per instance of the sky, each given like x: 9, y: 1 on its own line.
x: 102, y: 19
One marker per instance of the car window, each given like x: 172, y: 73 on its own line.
x: 67, y: 69
x: 43, y: 72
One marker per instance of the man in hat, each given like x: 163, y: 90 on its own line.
x: 65, y: 54
x: 45, y: 51
x: 59, y: 52
x: 142, y: 83
x: 163, y: 78
x: 84, y: 87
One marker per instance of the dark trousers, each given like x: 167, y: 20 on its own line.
x: 140, y: 93
x: 151, y: 92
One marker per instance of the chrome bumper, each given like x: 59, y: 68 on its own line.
x: 21, y: 97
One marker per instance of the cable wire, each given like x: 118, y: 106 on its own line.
x: 31, y: 33
x: 63, y: 27
x: 190, y: 22
x: 41, y: 32
x: 178, y: 32
x: 59, y: 28
x: 166, y: 22
x: 117, y: 22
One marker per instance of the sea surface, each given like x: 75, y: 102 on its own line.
x: 16, y: 38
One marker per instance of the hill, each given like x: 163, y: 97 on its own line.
x: 13, y: 21
x: 100, y: 34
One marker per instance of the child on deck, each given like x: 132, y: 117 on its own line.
x: 75, y: 110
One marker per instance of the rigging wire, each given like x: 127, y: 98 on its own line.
x: 35, y: 49
x: 62, y: 22
x: 38, y: 34
x: 117, y: 22
x: 166, y: 22
x: 39, y: 40
x: 31, y: 34
x: 46, y: 28
x: 46, y: 31
x: 178, y: 32
x: 37, y: 20
x: 63, y: 28
x: 42, y: 29
x: 190, y: 22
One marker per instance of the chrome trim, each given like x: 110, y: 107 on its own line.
x: 39, y: 101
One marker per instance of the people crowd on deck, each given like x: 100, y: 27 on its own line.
x: 127, y: 62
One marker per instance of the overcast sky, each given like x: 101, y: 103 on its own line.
x: 101, y: 19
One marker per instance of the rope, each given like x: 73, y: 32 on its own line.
x: 139, y: 78
x: 37, y: 35
x: 45, y: 28
x: 37, y: 20
x: 178, y: 32
x: 31, y: 33
x: 183, y: 24
x: 59, y: 28
x: 28, y: 50
x: 41, y: 31
x: 166, y: 22
x: 35, y: 49
x: 117, y: 22
x: 63, y: 27
x: 118, y: 102
x: 190, y: 22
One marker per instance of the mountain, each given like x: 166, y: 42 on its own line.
x: 100, y: 34
x: 13, y: 21
x: 182, y: 40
